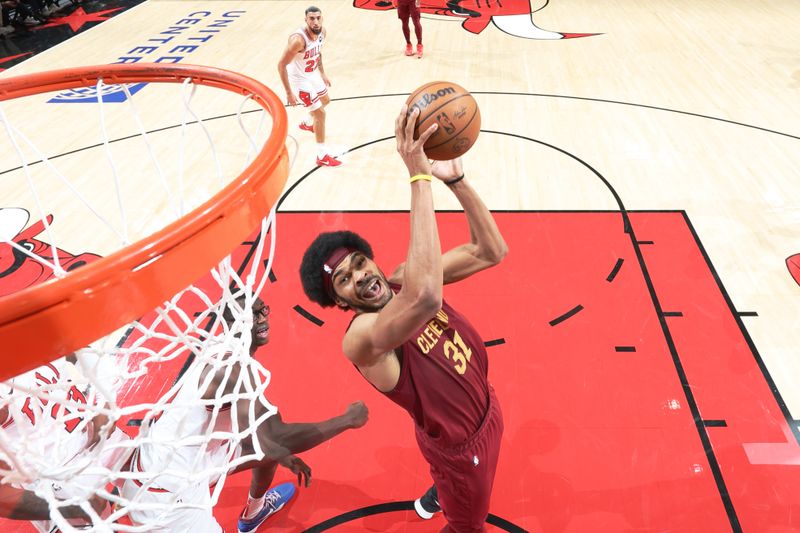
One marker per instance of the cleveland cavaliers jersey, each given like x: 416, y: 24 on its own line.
x: 305, y: 62
x: 443, y: 380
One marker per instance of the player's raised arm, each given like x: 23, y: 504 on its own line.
x: 486, y: 246
x: 371, y: 335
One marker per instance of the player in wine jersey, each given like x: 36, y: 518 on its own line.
x: 409, y: 9
x: 304, y: 79
x: 414, y: 347
x: 174, y: 445
x: 50, y: 410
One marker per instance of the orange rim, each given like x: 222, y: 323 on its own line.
x: 43, y: 322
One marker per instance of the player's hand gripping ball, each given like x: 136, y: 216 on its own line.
x: 456, y: 112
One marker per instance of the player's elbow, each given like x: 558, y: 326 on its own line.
x: 493, y: 250
x: 497, y: 253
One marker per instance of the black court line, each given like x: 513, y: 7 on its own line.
x: 672, y: 313
x: 691, y: 401
x: 756, y: 355
x: 578, y: 308
x: 405, y: 94
x: 294, y: 185
x: 391, y: 507
x: 747, y: 313
x: 308, y: 316
x: 615, y: 270
x: 271, y: 274
x: 643, y: 106
x: 715, y: 423
x: 624, y: 348
x: 644, y: 242
x: 494, y: 342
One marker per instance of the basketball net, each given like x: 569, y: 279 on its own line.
x: 73, y: 428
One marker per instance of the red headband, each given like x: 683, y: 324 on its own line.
x: 329, y: 267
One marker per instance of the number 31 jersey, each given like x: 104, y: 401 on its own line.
x: 443, y: 380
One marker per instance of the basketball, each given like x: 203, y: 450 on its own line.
x: 454, y: 109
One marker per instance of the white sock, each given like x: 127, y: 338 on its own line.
x: 321, y: 150
x: 308, y: 121
x: 253, y: 506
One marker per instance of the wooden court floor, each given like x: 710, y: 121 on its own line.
x: 645, y: 327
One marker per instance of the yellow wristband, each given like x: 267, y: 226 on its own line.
x: 418, y: 177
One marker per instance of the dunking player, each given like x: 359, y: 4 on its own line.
x: 409, y: 9
x: 303, y: 77
x: 278, y: 440
x: 414, y: 347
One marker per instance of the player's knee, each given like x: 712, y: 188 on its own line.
x: 319, y: 113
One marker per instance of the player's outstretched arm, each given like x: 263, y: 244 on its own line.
x: 300, y: 437
x: 372, y: 335
x: 486, y: 246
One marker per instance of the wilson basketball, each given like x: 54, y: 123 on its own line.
x: 456, y: 112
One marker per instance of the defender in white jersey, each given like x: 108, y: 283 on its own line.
x: 40, y: 403
x: 304, y: 79
x: 174, y: 446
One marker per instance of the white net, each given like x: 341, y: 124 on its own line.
x: 146, y: 422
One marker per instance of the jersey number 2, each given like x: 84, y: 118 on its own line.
x: 311, y: 64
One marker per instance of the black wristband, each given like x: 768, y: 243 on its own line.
x: 454, y: 180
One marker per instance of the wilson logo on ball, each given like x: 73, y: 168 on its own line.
x: 427, y: 98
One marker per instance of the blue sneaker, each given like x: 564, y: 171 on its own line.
x: 274, y: 501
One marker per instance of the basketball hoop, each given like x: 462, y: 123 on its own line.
x: 42, y: 322
x: 166, y: 282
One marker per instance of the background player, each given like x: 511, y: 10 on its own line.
x: 414, y: 347
x: 304, y: 78
x: 409, y: 9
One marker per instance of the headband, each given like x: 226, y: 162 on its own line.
x: 329, y: 267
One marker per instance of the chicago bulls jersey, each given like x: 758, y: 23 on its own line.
x: 180, y: 439
x: 443, y: 380
x: 306, y: 61
x: 42, y: 414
